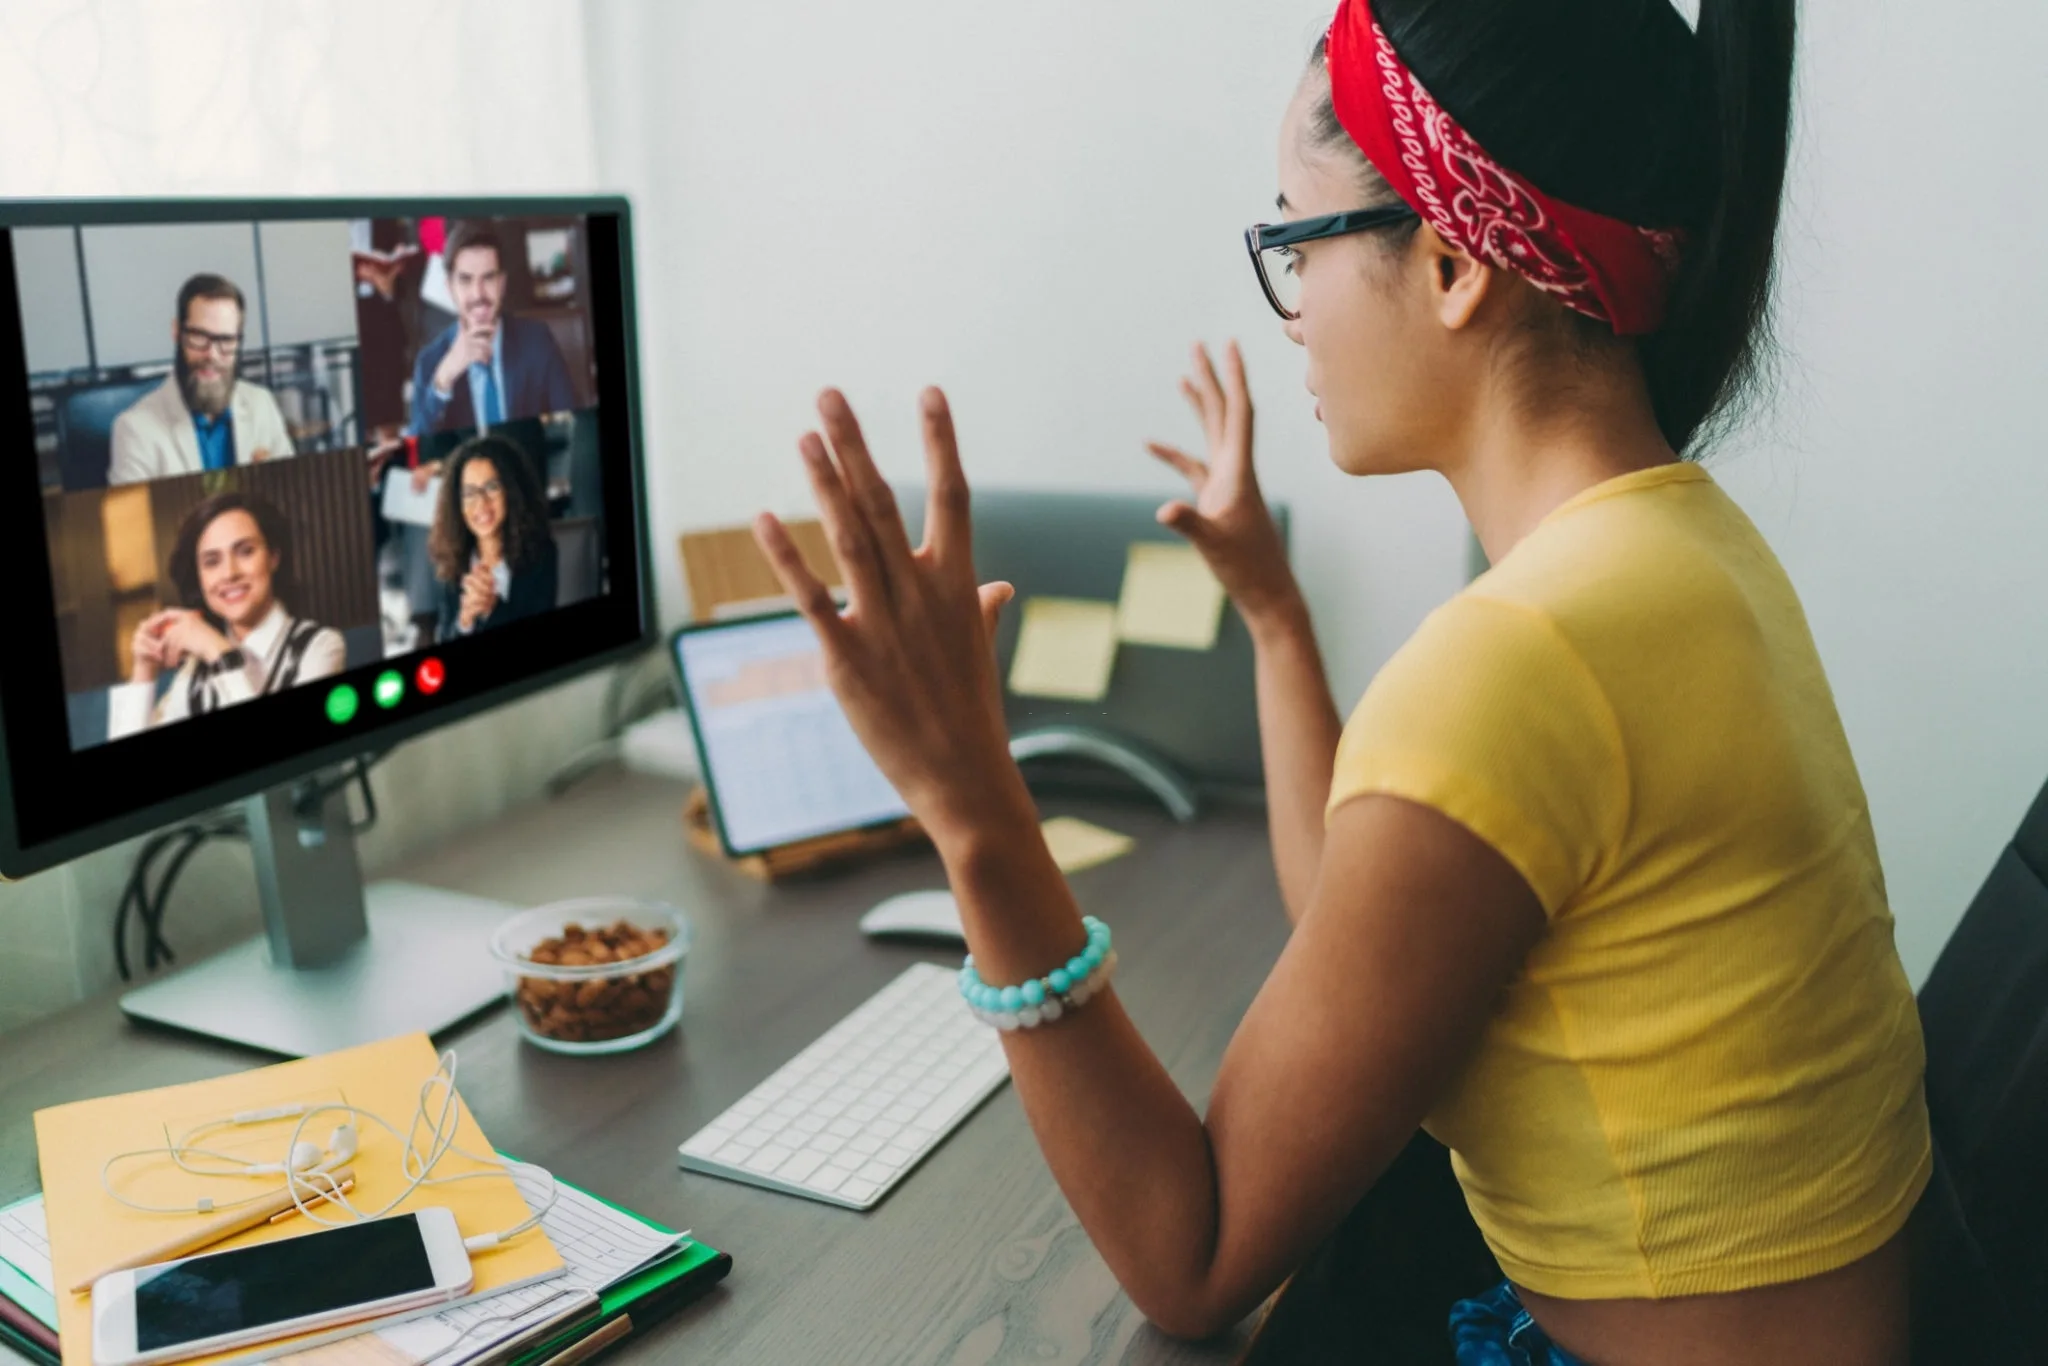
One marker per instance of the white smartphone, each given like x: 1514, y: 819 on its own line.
x: 199, y: 1305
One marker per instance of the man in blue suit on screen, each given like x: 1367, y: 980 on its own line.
x: 485, y: 368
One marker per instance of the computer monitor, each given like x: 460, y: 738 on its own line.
x: 293, y: 481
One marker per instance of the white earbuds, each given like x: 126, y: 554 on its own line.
x: 307, y: 1165
x: 304, y: 1164
x: 304, y: 1157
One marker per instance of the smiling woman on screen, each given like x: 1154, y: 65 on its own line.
x: 1586, y: 886
x: 491, y: 546
x: 236, y: 637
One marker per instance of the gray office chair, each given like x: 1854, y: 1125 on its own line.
x: 85, y: 430
x: 579, y: 558
x: 1174, y: 722
x: 1980, y: 1237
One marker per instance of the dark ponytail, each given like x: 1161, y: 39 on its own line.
x: 1713, y: 352
x: 1617, y: 107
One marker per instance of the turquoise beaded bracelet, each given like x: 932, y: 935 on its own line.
x: 1043, y: 999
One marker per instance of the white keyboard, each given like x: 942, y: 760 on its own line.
x: 845, y: 1120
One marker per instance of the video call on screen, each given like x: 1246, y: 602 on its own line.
x: 271, y: 452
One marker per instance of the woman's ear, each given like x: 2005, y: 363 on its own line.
x: 1459, y: 283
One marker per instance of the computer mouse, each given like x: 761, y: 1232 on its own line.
x: 915, y: 915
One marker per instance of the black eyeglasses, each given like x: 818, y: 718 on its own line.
x: 222, y: 344
x: 1273, y: 255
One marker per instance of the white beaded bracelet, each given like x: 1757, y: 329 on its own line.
x: 1043, y: 999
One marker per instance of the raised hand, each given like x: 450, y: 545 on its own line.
x: 911, y: 659
x: 1228, y: 520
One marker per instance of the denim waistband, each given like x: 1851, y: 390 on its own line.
x: 1494, y: 1329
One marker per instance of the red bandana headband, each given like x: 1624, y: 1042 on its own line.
x: 1600, y: 266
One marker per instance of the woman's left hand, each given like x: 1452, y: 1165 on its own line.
x: 191, y: 635
x: 912, y: 657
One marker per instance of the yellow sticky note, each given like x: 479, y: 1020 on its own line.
x: 1169, y: 598
x: 1065, y: 648
x: 1077, y: 844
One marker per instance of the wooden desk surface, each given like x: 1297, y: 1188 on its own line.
x: 975, y: 1258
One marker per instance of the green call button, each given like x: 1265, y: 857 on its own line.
x: 342, y: 704
x: 389, y: 690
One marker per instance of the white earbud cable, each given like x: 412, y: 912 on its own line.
x: 441, y: 1112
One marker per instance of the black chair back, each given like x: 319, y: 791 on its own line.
x: 85, y: 430
x: 1981, y: 1235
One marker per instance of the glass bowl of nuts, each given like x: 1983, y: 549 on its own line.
x: 598, y: 975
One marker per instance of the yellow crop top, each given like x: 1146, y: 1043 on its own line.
x: 1707, y: 1076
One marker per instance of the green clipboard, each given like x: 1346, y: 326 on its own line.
x: 16, y: 1286
x: 641, y: 1300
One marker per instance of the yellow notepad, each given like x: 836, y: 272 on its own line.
x: 89, y: 1230
x: 1066, y: 648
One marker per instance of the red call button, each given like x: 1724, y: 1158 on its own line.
x: 431, y: 676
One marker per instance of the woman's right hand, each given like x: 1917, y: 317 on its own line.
x: 1228, y: 521
x: 148, y: 654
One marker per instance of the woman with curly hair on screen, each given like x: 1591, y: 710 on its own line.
x: 491, y: 546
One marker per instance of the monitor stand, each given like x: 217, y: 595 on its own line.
x: 340, y: 963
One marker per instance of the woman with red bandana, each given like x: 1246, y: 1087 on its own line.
x: 1586, y: 885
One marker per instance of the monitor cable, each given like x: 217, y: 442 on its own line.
x: 146, y: 903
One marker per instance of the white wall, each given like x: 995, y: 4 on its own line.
x: 1038, y: 206
x: 51, y: 303
x: 133, y: 273
x: 248, y: 97
x: 309, y: 295
x: 1904, y: 480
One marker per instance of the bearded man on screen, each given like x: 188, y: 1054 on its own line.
x: 204, y: 416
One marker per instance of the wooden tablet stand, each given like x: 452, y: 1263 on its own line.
x: 728, y: 576
x: 803, y: 856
